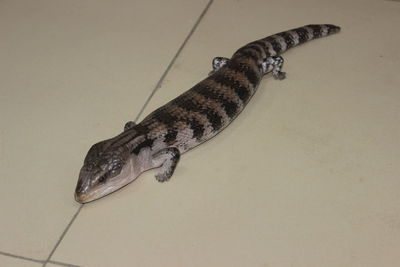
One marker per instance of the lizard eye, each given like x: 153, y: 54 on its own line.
x: 118, y: 166
x: 116, y: 169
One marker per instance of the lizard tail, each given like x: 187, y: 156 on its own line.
x: 278, y: 43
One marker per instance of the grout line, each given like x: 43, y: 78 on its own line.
x: 62, y: 236
x: 35, y: 260
x: 21, y: 257
x: 158, y: 85
x: 63, y: 264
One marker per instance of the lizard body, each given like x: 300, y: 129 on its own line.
x: 190, y: 119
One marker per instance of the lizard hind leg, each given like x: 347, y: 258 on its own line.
x: 168, y: 158
x: 274, y: 64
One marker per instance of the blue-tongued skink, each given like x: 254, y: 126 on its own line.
x: 190, y: 119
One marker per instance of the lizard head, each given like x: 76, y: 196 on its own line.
x: 106, y: 168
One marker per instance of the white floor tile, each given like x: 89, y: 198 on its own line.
x: 72, y: 73
x: 7, y: 261
x: 306, y: 176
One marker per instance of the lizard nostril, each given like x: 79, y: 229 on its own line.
x: 102, y: 179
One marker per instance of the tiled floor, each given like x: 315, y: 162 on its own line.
x: 308, y: 175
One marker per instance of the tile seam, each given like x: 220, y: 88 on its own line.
x: 36, y: 260
x: 20, y: 257
x: 62, y: 236
x: 158, y: 85
x: 63, y: 263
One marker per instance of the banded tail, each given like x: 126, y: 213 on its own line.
x: 278, y: 43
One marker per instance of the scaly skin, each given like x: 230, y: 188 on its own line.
x: 190, y: 119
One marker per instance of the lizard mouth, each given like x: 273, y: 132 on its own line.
x: 85, y: 192
x: 81, y: 197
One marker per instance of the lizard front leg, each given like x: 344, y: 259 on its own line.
x: 217, y: 63
x: 129, y: 125
x: 168, y: 159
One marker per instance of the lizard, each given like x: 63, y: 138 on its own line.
x: 190, y: 119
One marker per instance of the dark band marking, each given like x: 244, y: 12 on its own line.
x: 261, y: 43
x: 248, y: 51
x: 275, y: 44
x: 207, y: 91
x: 164, y: 116
x: 302, y: 33
x: 227, y: 80
x: 190, y: 104
x: 245, y: 68
x: 288, y: 39
x: 316, y: 30
x: 191, y: 119
x: 229, y: 107
x: 197, y: 128
x: 258, y: 49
